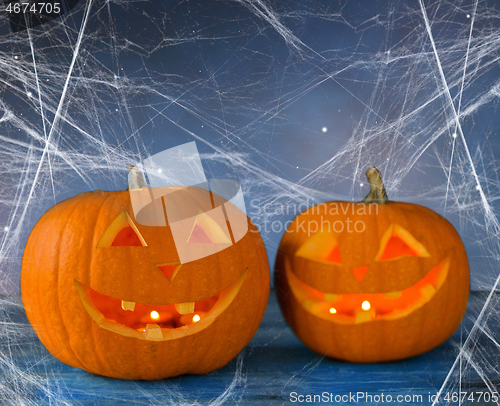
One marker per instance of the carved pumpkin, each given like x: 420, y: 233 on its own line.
x: 109, y: 295
x: 372, y: 281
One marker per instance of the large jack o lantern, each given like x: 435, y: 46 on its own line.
x: 374, y: 281
x: 109, y: 295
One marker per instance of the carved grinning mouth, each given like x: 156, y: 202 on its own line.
x: 155, y: 322
x: 364, y: 307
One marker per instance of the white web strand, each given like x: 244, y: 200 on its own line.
x: 48, y: 139
x: 491, y: 220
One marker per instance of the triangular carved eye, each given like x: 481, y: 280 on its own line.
x: 398, y: 242
x: 207, y: 230
x: 122, y: 232
x: 321, y: 247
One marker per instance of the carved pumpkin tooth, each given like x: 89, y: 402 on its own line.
x: 153, y: 332
x: 128, y: 305
x: 330, y: 297
x: 428, y: 291
x: 393, y: 295
x: 362, y: 316
x: 185, y: 308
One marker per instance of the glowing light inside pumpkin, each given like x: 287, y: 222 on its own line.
x: 196, y: 318
x: 366, y: 305
x: 154, y: 315
x: 333, y: 310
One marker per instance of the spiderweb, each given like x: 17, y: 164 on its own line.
x: 293, y: 99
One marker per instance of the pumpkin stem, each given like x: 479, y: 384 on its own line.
x: 377, y: 190
x: 136, y: 178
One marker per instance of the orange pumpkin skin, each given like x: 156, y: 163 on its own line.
x: 61, y: 251
x: 385, y: 336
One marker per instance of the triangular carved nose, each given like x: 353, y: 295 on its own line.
x: 360, y: 272
x: 169, y: 270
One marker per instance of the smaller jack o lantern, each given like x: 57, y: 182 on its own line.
x: 376, y: 280
x: 109, y: 295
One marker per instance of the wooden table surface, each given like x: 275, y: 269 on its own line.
x: 274, y: 369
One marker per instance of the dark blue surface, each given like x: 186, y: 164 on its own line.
x: 273, y: 366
